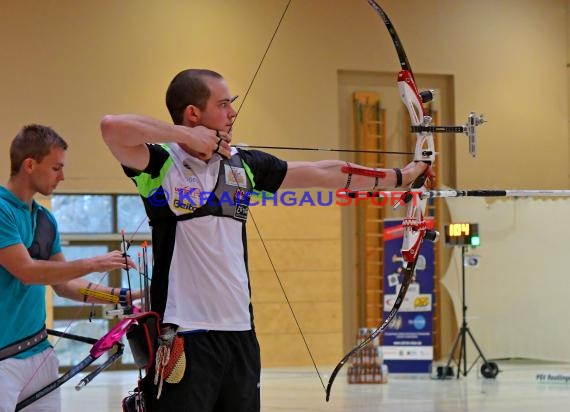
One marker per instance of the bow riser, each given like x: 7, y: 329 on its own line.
x: 414, y: 222
x: 412, y: 239
x: 410, y: 94
x: 111, y: 338
x: 425, y: 149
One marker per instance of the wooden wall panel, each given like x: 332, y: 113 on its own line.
x: 289, y: 350
x: 304, y: 244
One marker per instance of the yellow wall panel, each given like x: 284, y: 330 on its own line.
x: 275, y: 318
x: 315, y: 286
x: 296, y: 222
x: 289, y: 255
x: 288, y: 349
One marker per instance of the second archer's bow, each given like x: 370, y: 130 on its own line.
x: 129, y: 315
x: 414, y: 224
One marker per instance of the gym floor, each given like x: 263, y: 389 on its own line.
x: 518, y: 387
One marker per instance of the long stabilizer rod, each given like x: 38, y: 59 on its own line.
x: 462, y: 193
x: 496, y: 193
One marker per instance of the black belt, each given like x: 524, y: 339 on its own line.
x: 23, y: 344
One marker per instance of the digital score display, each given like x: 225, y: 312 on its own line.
x: 462, y: 234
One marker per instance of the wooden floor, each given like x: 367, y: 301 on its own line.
x: 516, y: 388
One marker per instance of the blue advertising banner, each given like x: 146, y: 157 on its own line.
x: 408, y: 341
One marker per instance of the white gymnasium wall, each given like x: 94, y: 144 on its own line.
x: 517, y: 298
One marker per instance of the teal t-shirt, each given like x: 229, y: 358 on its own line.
x: 22, y: 307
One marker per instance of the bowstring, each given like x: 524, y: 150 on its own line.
x: 249, y: 210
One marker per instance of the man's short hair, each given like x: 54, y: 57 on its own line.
x: 189, y: 87
x: 33, y: 141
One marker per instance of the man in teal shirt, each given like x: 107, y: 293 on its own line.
x: 30, y: 258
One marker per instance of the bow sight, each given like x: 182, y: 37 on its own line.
x: 468, y: 128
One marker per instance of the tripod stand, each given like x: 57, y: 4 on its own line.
x: 488, y: 369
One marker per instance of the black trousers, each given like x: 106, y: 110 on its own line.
x: 222, y: 375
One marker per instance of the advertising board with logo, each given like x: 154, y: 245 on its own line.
x: 408, y: 341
